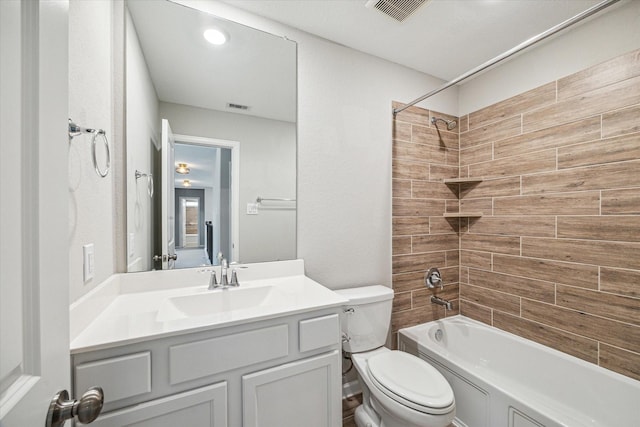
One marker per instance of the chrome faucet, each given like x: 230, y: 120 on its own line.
x: 224, y: 278
x: 443, y: 302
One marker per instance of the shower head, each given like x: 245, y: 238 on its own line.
x: 451, y: 124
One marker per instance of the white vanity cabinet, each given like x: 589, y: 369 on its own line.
x: 297, y: 394
x: 205, y: 407
x: 277, y: 372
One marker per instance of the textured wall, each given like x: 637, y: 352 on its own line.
x: 556, y: 256
x: 90, y: 105
x: 612, y: 32
x: 142, y: 138
x: 423, y: 156
x: 344, y: 151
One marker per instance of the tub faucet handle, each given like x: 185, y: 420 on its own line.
x: 433, y: 278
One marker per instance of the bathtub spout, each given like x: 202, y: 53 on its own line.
x: 440, y: 301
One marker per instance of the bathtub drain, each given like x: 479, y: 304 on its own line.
x: 439, y: 335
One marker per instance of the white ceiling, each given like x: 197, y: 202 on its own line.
x: 443, y: 38
x: 253, y: 68
x: 201, y: 160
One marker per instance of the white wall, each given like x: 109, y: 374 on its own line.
x: 344, y: 133
x: 267, y: 169
x: 143, y: 125
x: 607, y: 35
x: 90, y: 105
x: 344, y: 151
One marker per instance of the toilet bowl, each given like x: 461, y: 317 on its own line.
x: 405, y: 390
x: 399, y: 389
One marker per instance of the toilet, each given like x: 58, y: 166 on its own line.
x: 398, y: 389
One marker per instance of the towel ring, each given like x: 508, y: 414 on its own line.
x: 97, y: 132
x: 149, y: 181
x: 75, y: 130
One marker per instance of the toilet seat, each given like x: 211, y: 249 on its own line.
x: 411, y: 381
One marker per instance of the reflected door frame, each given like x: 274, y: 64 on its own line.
x: 234, y: 146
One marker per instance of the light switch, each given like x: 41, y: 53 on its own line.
x: 88, y: 262
x: 252, y: 209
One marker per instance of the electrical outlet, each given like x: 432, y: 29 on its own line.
x: 252, y: 209
x: 88, y: 262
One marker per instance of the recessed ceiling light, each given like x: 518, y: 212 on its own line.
x: 214, y: 36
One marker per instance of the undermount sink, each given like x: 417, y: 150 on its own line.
x: 218, y: 301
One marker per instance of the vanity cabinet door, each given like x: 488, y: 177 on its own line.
x: 302, y: 393
x: 202, y: 407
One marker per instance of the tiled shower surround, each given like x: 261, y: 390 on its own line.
x: 555, y: 256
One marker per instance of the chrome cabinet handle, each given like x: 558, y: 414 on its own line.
x: 86, y: 409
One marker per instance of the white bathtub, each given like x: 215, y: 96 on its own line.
x: 502, y: 380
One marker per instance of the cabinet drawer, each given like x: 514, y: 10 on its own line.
x: 119, y: 377
x: 209, y: 357
x: 202, y: 407
x: 319, y: 332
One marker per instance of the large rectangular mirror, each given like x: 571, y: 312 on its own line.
x: 210, y: 140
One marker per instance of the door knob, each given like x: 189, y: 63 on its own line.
x: 165, y: 257
x: 86, y: 409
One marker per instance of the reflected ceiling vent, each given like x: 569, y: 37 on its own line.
x: 396, y: 9
x: 237, y: 106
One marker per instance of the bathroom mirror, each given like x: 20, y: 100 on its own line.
x: 221, y: 175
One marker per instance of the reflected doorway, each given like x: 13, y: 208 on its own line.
x: 189, y: 220
x: 204, y: 202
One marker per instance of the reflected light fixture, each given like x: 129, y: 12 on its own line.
x: 182, y: 168
x: 214, y: 36
x: 186, y: 183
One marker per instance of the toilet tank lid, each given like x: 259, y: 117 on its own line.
x: 366, y: 294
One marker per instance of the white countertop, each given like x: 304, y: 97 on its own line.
x: 132, y: 308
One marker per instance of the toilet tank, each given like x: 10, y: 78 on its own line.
x: 366, y: 318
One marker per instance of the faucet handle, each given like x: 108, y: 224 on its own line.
x: 234, y: 278
x: 433, y: 278
x: 213, y: 280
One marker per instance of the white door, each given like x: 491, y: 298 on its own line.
x: 168, y: 198
x: 34, y: 295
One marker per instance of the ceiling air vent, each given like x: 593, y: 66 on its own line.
x: 397, y: 9
x: 237, y: 106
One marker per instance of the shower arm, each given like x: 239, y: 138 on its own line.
x: 530, y: 42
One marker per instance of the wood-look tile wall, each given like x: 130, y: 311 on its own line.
x: 556, y: 256
x: 423, y: 156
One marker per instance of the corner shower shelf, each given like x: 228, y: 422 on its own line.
x: 459, y: 181
x: 462, y: 214
x: 463, y: 180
